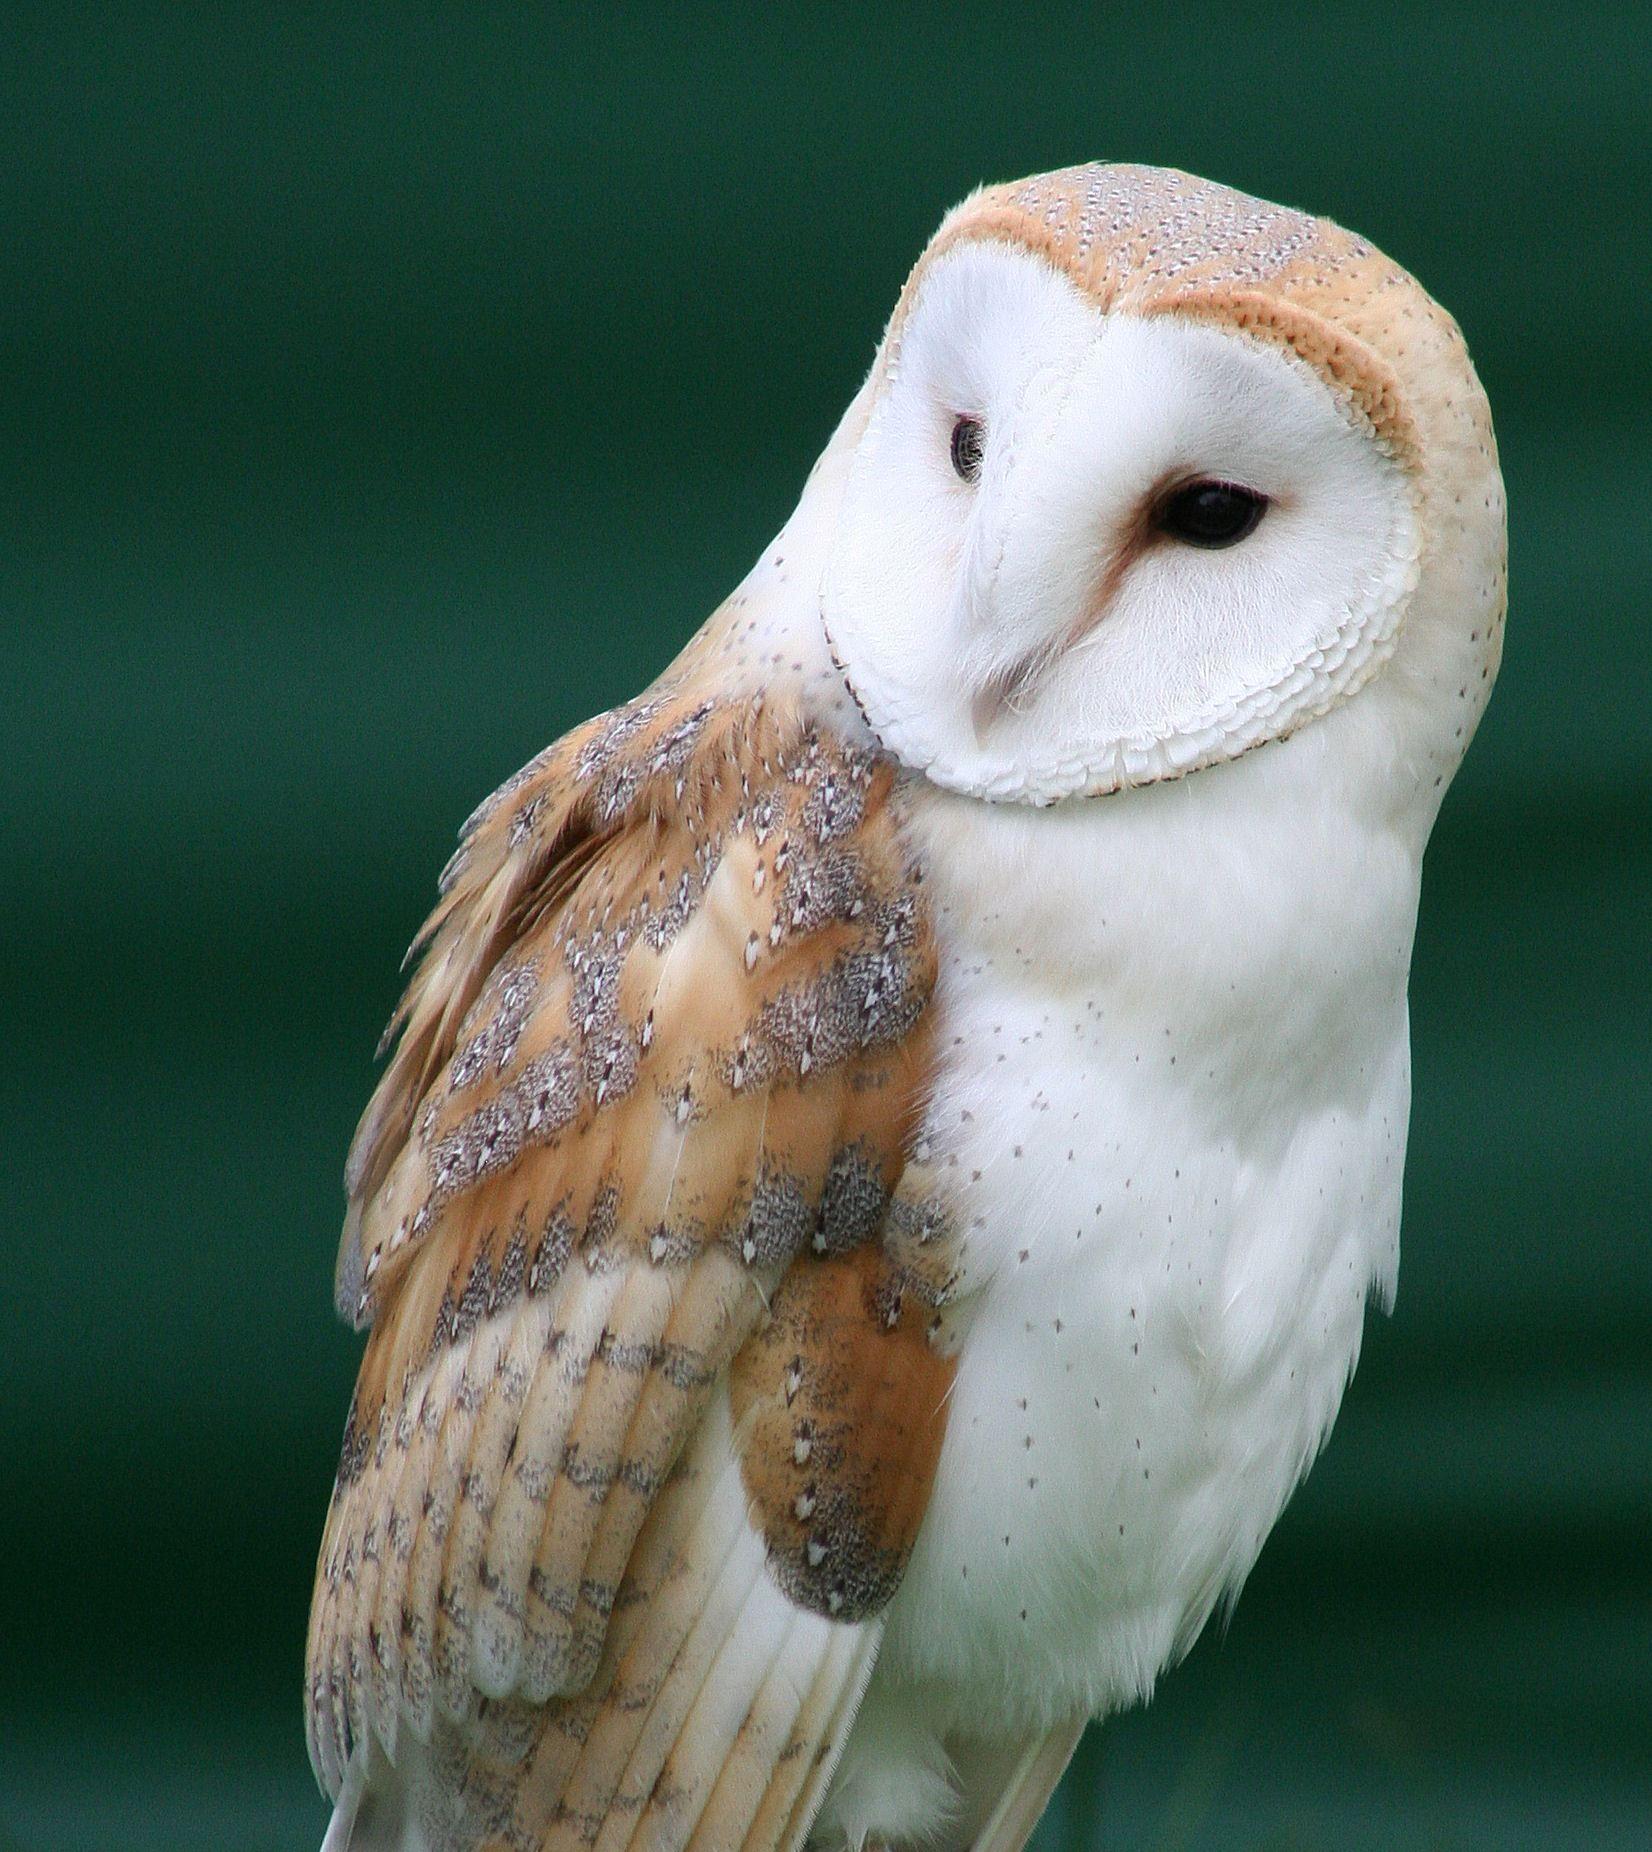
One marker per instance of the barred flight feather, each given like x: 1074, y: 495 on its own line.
x: 659, y: 1072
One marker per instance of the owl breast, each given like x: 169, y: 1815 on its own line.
x: 1172, y: 1119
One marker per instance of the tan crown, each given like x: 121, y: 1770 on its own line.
x: 1152, y: 240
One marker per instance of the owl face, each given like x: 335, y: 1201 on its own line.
x: 1088, y: 543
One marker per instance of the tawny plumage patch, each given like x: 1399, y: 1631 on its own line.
x: 846, y: 1404
x: 1152, y: 241
x: 666, y: 1039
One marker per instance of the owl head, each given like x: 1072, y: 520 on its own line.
x: 1148, y: 474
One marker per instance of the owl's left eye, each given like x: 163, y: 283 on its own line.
x: 969, y: 444
x: 1208, y: 513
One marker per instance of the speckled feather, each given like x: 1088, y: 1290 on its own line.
x: 660, y: 1064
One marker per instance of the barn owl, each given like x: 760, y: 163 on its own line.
x: 872, y: 1207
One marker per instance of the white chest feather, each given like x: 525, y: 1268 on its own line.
x: 1173, y: 1104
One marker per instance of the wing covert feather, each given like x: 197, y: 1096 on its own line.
x: 659, y: 1071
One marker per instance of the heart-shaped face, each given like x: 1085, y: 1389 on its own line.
x: 1149, y: 473
x: 1082, y: 548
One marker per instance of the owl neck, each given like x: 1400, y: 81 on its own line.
x: 1259, y: 914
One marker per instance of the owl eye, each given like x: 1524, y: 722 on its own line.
x: 969, y: 443
x: 1210, y: 514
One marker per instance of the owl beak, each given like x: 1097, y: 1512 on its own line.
x: 1003, y: 691
x: 1008, y: 689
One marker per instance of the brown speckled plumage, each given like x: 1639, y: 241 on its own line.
x: 846, y: 1397
x: 658, y: 1070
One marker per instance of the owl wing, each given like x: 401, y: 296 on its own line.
x: 1019, y: 1798
x: 649, y: 1409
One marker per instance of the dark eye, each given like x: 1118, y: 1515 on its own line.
x: 1210, y: 514
x: 969, y: 442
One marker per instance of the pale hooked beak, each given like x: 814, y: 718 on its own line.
x: 1005, y: 689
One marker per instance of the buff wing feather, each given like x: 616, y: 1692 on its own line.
x: 630, y: 1470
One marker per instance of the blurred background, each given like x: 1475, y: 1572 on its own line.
x: 382, y: 392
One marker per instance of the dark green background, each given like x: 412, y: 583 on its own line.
x: 383, y: 394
